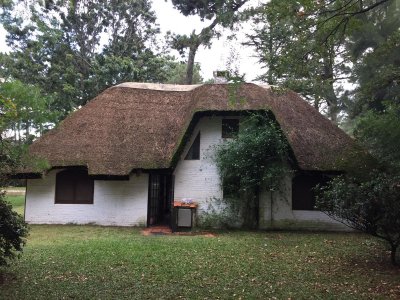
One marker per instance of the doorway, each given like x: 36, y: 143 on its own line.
x: 161, y: 194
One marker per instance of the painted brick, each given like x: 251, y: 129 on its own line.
x: 117, y: 203
x: 199, y: 179
x: 283, y: 217
x: 124, y: 203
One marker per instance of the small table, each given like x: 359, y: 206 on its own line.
x: 183, y: 215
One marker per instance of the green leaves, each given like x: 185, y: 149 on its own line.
x: 33, y: 110
x: 377, y: 72
x: 317, y: 49
x: 380, y: 134
x: 253, y: 157
x: 372, y: 205
x: 13, y: 230
x: 209, y: 8
x: 256, y: 159
x: 73, y: 50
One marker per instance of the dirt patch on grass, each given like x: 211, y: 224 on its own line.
x: 6, y: 277
x: 165, y: 230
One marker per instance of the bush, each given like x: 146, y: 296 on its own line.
x: 371, y: 206
x: 219, y: 215
x: 13, y: 231
x: 254, y: 160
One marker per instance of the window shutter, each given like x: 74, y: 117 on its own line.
x: 64, y: 188
x: 74, y: 186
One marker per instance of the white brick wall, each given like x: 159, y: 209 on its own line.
x: 199, y: 179
x: 283, y: 217
x: 119, y: 203
x: 124, y: 203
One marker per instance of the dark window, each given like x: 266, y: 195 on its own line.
x: 194, y: 151
x: 229, y: 188
x: 230, y: 128
x: 303, y: 195
x: 74, y: 186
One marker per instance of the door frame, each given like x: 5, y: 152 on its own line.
x: 168, y: 181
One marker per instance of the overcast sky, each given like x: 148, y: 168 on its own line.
x: 215, y: 58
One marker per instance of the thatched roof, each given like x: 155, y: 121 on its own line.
x: 142, y: 126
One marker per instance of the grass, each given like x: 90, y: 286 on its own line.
x: 17, y: 203
x: 86, y: 262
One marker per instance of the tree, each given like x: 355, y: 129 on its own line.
x: 73, y: 50
x: 13, y: 229
x: 223, y: 13
x: 34, y: 111
x: 374, y: 51
x: 371, y: 206
x: 315, y: 47
x: 295, y: 49
x: 177, y: 74
x: 379, y: 132
x: 371, y: 202
x: 256, y: 159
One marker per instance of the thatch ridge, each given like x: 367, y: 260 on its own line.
x: 138, y: 126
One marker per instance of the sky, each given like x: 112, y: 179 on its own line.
x: 215, y: 58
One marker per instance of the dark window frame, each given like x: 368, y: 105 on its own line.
x: 303, y: 195
x: 230, y: 128
x: 194, y: 150
x: 77, y: 183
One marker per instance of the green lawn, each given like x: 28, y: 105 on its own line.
x: 89, y: 262
x: 17, y: 203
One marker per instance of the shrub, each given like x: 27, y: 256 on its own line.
x: 254, y: 160
x: 13, y: 231
x: 371, y: 206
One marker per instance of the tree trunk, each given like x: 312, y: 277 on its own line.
x: 27, y: 130
x: 257, y: 208
x: 332, y: 101
x: 393, y: 255
x: 329, y: 91
x: 19, y: 131
x: 250, y: 209
x: 270, y: 49
x: 14, y: 127
x: 190, y: 64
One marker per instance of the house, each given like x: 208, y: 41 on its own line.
x: 125, y: 156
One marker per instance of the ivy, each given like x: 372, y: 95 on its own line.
x: 255, y: 160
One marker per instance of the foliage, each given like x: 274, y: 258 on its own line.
x: 72, y: 50
x: 317, y: 48
x: 8, y: 112
x: 8, y: 153
x: 222, y: 13
x: 17, y: 201
x: 377, y: 78
x: 12, y: 227
x: 120, y: 263
x: 371, y: 202
x: 13, y: 230
x: 177, y: 74
x: 219, y: 214
x: 294, y: 49
x: 33, y: 109
x: 254, y: 160
x: 372, y: 206
x: 379, y: 132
